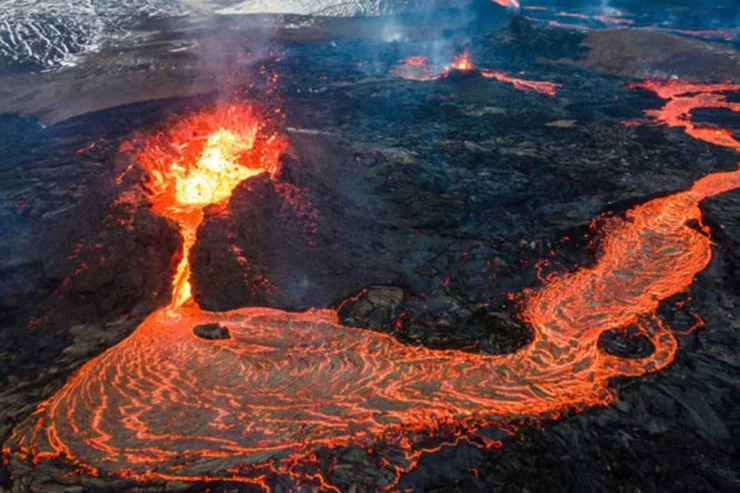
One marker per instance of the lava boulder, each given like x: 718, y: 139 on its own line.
x: 212, y: 332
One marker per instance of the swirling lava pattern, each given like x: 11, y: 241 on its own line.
x: 167, y: 404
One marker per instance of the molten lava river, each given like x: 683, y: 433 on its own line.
x: 165, y: 404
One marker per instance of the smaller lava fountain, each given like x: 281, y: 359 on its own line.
x: 462, y: 62
x: 418, y: 68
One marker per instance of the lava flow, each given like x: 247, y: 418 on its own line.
x: 538, y: 86
x: 165, y: 404
x: 609, y: 18
x: 683, y: 97
x: 418, y: 68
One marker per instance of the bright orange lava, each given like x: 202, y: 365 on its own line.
x: 165, y: 404
x: 538, y: 86
x: 509, y: 4
x: 199, y: 161
x: 417, y: 68
x: 683, y: 97
x: 462, y: 62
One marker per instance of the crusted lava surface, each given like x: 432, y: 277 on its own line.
x: 508, y: 289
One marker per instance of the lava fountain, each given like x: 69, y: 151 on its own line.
x: 165, y: 404
x: 462, y: 62
x: 199, y: 161
x: 418, y: 68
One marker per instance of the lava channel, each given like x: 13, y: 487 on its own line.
x: 166, y: 404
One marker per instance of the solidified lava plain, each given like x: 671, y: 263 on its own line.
x: 368, y: 263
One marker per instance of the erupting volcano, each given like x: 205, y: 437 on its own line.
x: 462, y: 62
x: 165, y: 403
x: 418, y: 68
x: 199, y: 161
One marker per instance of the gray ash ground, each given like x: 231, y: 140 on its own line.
x: 414, y: 208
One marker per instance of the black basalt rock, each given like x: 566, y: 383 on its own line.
x: 625, y: 344
x: 374, y: 308
x: 505, y: 334
x: 212, y: 332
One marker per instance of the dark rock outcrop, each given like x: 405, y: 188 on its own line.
x: 212, y: 332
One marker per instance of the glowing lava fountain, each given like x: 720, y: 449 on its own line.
x: 165, y: 404
x: 417, y: 68
x: 199, y: 161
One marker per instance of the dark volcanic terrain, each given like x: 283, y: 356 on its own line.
x: 414, y: 208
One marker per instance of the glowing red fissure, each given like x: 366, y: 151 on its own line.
x: 163, y: 403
